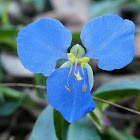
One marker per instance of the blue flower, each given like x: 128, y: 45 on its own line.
x: 109, y: 39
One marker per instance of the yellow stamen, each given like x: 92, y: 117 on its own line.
x: 83, y: 64
x: 80, y: 60
x: 70, y: 54
x: 68, y: 88
x: 84, y: 88
x: 86, y: 59
x: 71, y: 57
x: 72, y: 60
x: 77, y: 76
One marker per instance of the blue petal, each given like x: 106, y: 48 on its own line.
x: 72, y: 105
x: 110, y: 40
x: 41, y: 44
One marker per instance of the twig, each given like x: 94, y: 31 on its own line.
x: 116, y: 105
x: 22, y: 85
x: 44, y: 87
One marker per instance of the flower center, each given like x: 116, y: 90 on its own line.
x: 78, y: 63
x: 81, y: 61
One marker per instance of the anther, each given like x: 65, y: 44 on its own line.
x: 71, y: 57
x: 86, y: 59
x: 84, y: 85
x: 83, y: 64
x: 77, y: 76
x: 68, y: 88
x: 83, y: 61
x: 70, y: 54
x: 84, y: 88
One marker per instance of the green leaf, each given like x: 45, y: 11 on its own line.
x: 61, y: 125
x: 10, y: 100
x: 2, y: 99
x: 138, y: 103
x: 44, y: 128
x: 114, y: 134
x: 58, y: 124
x: 96, y: 119
x: 127, y: 136
x: 8, y: 107
x: 65, y: 129
x: 105, y: 7
x: 11, y: 93
x: 8, y: 36
x: 82, y: 130
x: 116, y: 91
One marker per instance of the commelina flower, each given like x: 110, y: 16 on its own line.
x: 109, y: 39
